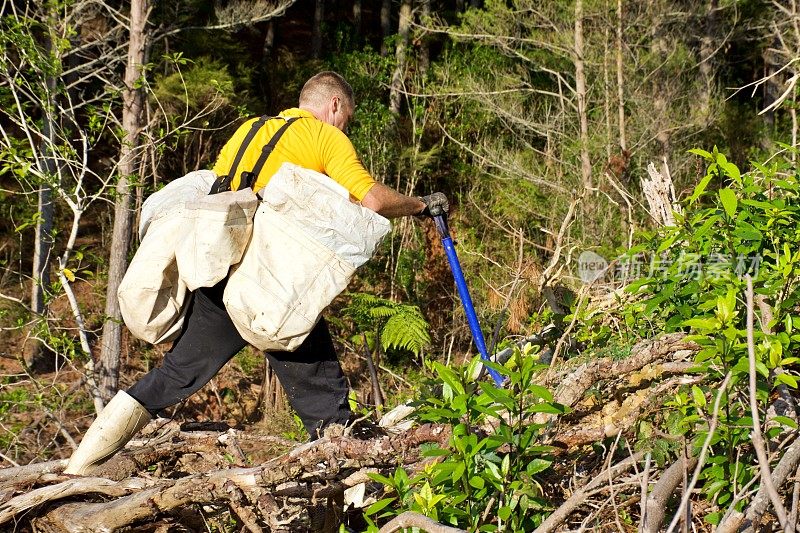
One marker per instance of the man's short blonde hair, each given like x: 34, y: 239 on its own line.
x: 321, y: 87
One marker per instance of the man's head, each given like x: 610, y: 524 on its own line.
x: 328, y: 97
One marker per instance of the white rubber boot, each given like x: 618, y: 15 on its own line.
x: 120, y: 420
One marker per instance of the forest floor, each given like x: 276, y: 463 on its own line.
x: 232, y: 457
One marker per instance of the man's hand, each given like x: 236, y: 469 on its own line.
x: 435, y: 204
x: 390, y: 203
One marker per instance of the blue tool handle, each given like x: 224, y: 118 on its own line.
x: 463, y: 293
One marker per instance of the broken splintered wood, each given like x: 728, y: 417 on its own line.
x: 660, y: 194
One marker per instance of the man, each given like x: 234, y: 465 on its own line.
x: 311, y: 375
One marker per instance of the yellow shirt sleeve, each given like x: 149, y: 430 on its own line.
x: 342, y: 164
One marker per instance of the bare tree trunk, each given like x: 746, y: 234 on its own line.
x: 792, y: 72
x: 706, y: 63
x: 44, y: 225
x: 386, y: 24
x: 357, y: 16
x: 793, y: 115
x: 771, y: 86
x: 34, y: 353
x: 42, y: 248
x: 400, y: 57
x: 132, y: 123
x: 425, y: 48
x: 607, y: 94
x: 623, y: 142
x: 269, y: 41
x: 316, y: 35
x: 660, y: 104
x: 580, y: 88
x: 266, y: 68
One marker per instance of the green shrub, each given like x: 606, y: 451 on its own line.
x: 484, y: 481
x: 733, y: 225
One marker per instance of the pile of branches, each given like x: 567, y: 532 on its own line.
x: 193, y: 474
x: 624, y: 486
x: 168, y: 477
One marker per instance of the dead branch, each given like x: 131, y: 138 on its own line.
x: 66, y: 489
x: 569, y: 218
x: 410, y: 519
x: 242, y: 508
x: 562, y: 341
x: 645, y: 488
x: 27, y: 473
x: 656, y: 505
x: 758, y: 439
x: 580, y: 496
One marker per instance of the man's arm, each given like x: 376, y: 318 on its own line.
x: 389, y: 203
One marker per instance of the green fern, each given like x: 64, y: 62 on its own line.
x: 400, y: 326
x: 407, y: 330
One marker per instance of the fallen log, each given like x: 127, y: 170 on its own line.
x: 329, y: 466
x: 574, y: 382
x: 615, y: 416
x: 174, y: 468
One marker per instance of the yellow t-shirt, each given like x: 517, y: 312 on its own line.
x: 308, y: 142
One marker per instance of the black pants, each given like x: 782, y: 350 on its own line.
x: 311, y: 375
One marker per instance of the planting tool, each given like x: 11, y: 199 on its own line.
x: 440, y: 218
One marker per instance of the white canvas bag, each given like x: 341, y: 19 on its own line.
x: 218, y: 230
x: 308, y: 239
x: 188, y: 240
x: 174, y: 195
x: 151, y: 295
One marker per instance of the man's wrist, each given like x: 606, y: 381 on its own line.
x: 421, y: 210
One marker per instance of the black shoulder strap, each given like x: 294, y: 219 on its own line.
x: 246, y: 142
x: 249, y: 178
x: 223, y: 183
